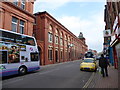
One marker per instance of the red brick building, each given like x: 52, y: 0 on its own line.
x: 17, y: 16
x: 56, y: 43
x: 112, y: 20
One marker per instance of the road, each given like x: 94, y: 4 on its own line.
x: 65, y: 75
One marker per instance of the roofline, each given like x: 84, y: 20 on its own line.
x: 45, y: 12
x: 22, y: 10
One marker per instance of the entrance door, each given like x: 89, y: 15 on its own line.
x: 56, y: 56
x: 40, y: 54
x: 69, y: 56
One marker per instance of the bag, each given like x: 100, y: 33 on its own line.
x: 99, y: 70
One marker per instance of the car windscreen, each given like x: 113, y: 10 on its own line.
x: 88, y: 61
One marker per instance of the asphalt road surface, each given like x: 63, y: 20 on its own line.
x: 63, y: 75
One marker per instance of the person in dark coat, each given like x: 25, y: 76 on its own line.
x: 103, y: 63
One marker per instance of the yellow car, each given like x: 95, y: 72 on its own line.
x: 88, y: 64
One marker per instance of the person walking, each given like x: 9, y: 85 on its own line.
x: 103, y: 63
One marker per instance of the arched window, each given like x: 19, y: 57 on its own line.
x: 56, y: 36
x: 61, y: 34
x: 50, y: 34
x: 50, y: 27
x: 69, y: 38
x: 56, y: 31
x: 61, y: 38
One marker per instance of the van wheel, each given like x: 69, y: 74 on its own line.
x: 22, y: 70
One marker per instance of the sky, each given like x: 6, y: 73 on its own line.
x: 86, y: 16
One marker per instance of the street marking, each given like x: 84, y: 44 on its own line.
x: 89, y: 81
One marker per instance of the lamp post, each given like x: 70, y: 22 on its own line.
x: 70, y: 47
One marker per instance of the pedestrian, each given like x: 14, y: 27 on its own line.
x: 103, y: 63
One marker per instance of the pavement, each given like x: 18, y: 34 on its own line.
x: 97, y: 81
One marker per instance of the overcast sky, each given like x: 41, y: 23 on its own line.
x: 86, y: 16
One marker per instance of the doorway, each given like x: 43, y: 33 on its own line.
x: 56, y: 56
x: 40, y: 54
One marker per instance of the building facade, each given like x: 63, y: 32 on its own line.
x: 112, y: 20
x: 55, y: 42
x: 17, y: 16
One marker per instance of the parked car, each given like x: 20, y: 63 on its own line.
x: 88, y: 64
x: 98, y: 57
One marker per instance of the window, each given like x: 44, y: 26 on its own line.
x: 15, y: 2
x: 61, y: 34
x: 3, y: 57
x: 65, y: 43
x: 15, y: 38
x: 56, y: 39
x: 65, y: 37
x: 50, y: 37
x: 56, y: 31
x: 50, y: 27
x: 19, y: 39
x: 21, y: 27
x: 28, y: 41
x: 50, y: 54
x: 23, y: 4
x: 61, y: 41
x: 7, y: 37
x: 34, y: 56
x: 68, y: 38
x: 14, y: 24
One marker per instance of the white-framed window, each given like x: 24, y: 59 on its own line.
x: 14, y: 24
x: 23, y: 4
x: 50, y: 52
x: 56, y: 39
x: 21, y: 25
x: 61, y: 41
x: 15, y: 2
x: 50, y: 37
x: 65, y: 43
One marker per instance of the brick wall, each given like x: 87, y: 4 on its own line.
x: 70, y: 50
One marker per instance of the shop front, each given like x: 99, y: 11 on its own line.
x: 118, y: 51
x: 115, y: 42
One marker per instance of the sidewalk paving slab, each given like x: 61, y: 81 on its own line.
x: 105, y: 82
